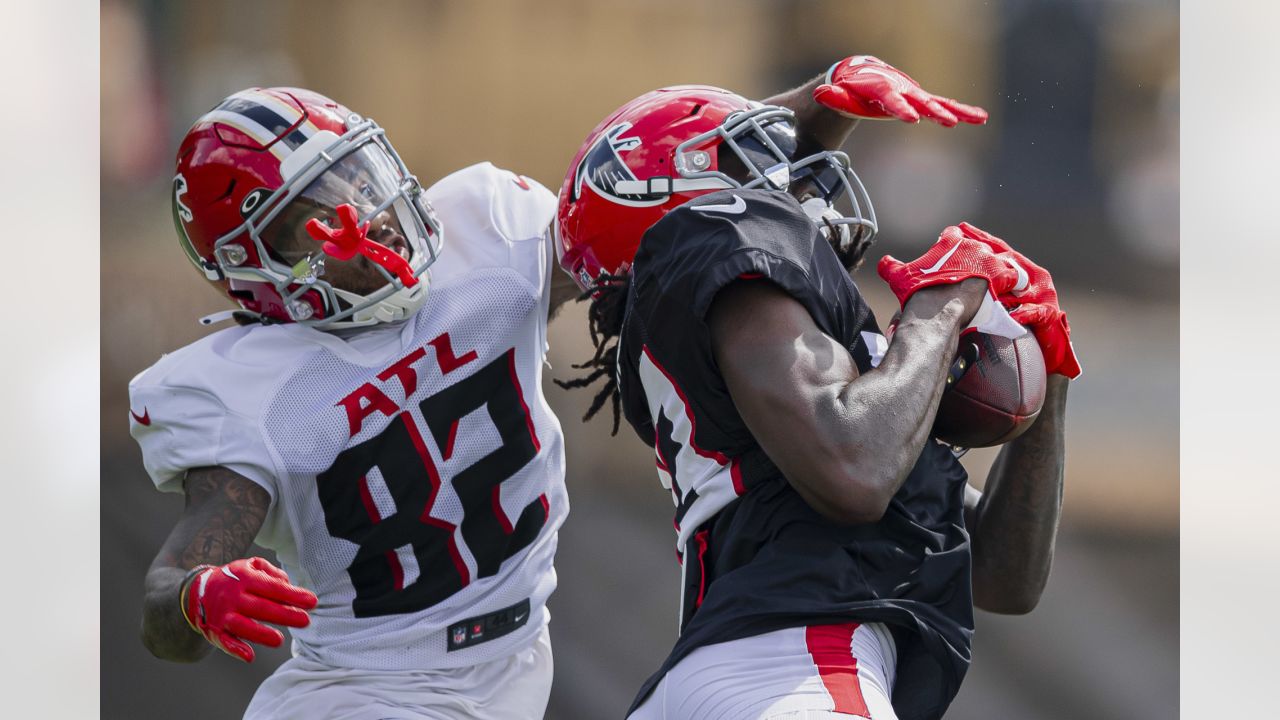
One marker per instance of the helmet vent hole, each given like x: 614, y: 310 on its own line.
x: 695, y: 110
x: 227, y: 193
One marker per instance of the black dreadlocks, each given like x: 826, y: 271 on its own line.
x: 608, y: 298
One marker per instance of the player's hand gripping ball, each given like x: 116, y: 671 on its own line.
x: 228, y: 605
x: 1000, y: 392
x: 996, y: 384
x: 1034, y: 303
x: 955, y: 257
x: 995, y: 390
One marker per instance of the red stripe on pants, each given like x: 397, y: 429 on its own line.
x: 831, y: 649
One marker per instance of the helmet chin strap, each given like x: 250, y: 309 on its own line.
x: 240, y: 316
x: 218, y: 317
x: 399, y: 306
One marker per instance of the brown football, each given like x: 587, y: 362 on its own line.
x: 999, y: 394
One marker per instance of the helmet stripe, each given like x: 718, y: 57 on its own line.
x: 264, y: 119
x: 290, y: 114
x: 249, y: 127
x: 241, y: 123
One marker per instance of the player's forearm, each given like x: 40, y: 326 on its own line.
x: 223, y: 514
x: 165, y: 631
x: 891, y: 409
x: 818, y: 127
x: 1016, y: 521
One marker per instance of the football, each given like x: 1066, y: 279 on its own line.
x: 995, y: 391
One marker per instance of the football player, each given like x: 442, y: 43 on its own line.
x: 827, y: 541
x: 375, y: 418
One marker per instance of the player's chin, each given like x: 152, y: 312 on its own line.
x: 364, y: 281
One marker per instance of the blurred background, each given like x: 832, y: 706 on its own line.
x: 1078, y: 168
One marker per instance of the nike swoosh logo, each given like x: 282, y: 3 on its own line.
x: 143, y: 419
x: 941, y: 261
x: 737, y: 207
x: 520, y: 617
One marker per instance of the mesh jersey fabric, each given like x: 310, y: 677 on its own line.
x: 415, y: 470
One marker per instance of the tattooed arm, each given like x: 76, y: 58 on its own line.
x: 1014, y: 523
x: 223, y: 514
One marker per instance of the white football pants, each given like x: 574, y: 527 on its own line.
x: 802, y: 673
x: 511, y: 688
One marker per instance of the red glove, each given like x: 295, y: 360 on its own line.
x: 224, y: 604
x: 1034, y: 303
x: 351, y: 238
x: 952, y: 259
x: 866, y: 87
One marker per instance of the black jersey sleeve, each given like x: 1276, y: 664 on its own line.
x: 693, y: 253
x: 700, y: 247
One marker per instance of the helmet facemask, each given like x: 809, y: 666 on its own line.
x: 761, y: 143
x: 361, y: 169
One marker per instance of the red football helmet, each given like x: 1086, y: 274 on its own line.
x: 252, y: 171
x: 663, y: 149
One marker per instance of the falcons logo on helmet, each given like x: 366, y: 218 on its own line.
x: 602, y: 169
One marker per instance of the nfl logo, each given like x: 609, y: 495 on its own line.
x: 459, y: 636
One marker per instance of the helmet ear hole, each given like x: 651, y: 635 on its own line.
x: 253, y: 200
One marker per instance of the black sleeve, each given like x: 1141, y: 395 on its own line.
x: 699, y: 248
x: 690, y: 255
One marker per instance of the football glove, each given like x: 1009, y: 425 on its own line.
x: 863, y: 86
x: 952, y: 259
x: 225, y: 604
x: 1034, y: 302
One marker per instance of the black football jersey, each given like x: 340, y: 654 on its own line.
x: 755, y: 556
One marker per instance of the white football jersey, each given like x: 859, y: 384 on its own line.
x: 415, y: 470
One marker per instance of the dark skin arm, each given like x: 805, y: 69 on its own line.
x: 1013, y: 524
x: 819, y: 127
x: 889, y: 92
x: 844, y: 441
x: 223, y: 513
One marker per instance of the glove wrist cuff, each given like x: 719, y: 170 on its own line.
x: 184, y: 588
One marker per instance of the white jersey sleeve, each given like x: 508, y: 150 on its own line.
x: 182, y: 423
